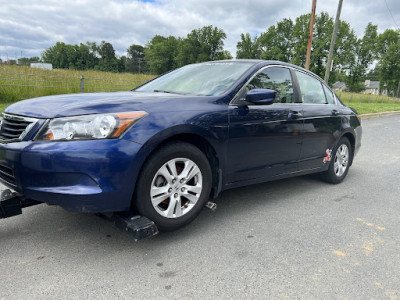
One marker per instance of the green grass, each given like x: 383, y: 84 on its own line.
x: 12, y: 83
x: 365, y: 104
x: 3, y: 106
x: 365, y: 108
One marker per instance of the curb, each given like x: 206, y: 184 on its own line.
x: 380, y: 114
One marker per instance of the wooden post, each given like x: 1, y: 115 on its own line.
x: 332, y: 47
x: 310, y: 34
x: 82, y: 84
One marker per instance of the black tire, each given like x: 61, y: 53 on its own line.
x: 332, y: 175
x: 147, y: 179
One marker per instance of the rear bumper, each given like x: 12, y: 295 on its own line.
x: 86, y: 176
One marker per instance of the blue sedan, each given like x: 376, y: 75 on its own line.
x: 166, y: 147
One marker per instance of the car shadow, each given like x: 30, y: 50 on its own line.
x: 61, y: 228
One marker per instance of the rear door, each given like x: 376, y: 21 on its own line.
x: 265, y: 140
x: 322, y: 122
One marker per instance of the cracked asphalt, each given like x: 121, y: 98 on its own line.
x: 294, y: 238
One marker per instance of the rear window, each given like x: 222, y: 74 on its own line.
x: 311, y: 89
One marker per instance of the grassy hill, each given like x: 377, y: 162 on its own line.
x: 22, y: 82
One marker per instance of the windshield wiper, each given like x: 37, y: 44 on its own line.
x: 161, y: 91
x: 169, y: 92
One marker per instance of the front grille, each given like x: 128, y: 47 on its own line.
x: 7, y: 175
x: 15, y: 127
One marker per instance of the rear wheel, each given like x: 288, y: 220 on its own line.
x: 173, y: 186
x: 340, y: 164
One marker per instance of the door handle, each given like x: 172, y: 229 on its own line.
x: 335, y: 112
x: 294, y: 115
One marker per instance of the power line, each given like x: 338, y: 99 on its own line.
x: 387, y: 6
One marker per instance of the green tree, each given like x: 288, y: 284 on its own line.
x: 390, y: 69
x: 226, y: 55
x: 160, y: 54
x: 121, y: 63
x: 277, y: 42
x: 365, y: 54
x: 344, y: 54
x: 211, y: 41
x: 57, y: 56
x: 73, y: 56
x: 86, y: 58
x: 248, y: 47
x: 374, y: 75
x: 287, y: 41
x: 389, y: 63
x: 189, y: 50
x: 203, y: 44
x: 300, y: 39
x: 386, y: 39
x: 135, y: 62
x: 64, y: 56
x: 321, y: 42
x: 26, y: 61
x: 108, y: 61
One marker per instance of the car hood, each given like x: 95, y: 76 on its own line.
x: 90, y: 103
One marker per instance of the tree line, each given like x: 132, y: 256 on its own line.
x: 158, y: 56
x: 373, y: 56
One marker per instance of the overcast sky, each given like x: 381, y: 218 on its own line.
x: 31, y: 26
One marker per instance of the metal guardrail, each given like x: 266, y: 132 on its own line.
x: 80, y: 82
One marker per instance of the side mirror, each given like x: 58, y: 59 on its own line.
x: 261, y: 96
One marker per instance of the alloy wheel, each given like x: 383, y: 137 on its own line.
x: 176, y: 187
x: 341, y: 160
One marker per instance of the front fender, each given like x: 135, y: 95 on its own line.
x: 152, y: 131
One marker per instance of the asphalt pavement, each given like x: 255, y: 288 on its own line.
x: 294, y: 238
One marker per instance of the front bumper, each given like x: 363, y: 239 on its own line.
x: 86, y: 176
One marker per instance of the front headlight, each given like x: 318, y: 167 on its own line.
x: 87, y: 127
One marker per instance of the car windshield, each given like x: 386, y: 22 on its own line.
x: 207, y: 79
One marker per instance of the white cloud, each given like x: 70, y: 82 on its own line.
x: 32, y: 26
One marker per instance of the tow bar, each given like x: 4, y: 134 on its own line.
x: 12, y: 203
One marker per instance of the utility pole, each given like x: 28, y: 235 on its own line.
x: 312, y: 19
x: 333, y: 40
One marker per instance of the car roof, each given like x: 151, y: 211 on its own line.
x: 262, y: 62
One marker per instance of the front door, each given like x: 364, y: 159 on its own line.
x: 265, y: 140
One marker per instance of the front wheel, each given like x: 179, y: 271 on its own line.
x: 174, y: 185
x: 340, y: 164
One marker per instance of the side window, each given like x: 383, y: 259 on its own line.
x: 329, y: 95
x: 277, y: 79
x: 311, y: 89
